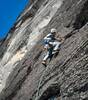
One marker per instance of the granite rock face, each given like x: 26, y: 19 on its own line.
x: 23, y: 77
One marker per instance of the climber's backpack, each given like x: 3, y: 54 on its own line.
x: 48, y: 38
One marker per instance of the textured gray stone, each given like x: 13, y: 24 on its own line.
x: 23, y: 77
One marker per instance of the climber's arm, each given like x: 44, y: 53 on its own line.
x: 60, y: 39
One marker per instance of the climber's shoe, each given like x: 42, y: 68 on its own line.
x: 44, y: 63
x: 55, y: 52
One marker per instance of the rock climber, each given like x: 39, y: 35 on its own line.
x: 52, y: 44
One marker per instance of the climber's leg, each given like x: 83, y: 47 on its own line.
x: 56, y: 48
x: 56, y: 45
x: 45, y: 58
x: 48, y: 55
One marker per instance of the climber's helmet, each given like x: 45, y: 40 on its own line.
x: 53, y: 31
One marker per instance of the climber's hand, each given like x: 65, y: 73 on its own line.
x: 62, y: 39
x: 44, y: 49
